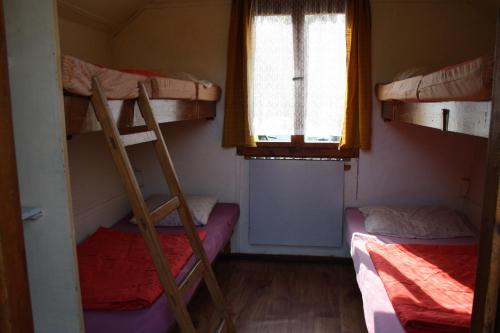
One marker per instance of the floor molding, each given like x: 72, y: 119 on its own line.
x: 287, y: 258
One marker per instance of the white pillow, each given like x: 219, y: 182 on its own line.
x: 200, y: 207
x: 418, y: 222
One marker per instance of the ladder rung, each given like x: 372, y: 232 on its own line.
x: 193, y: 276
x: 165, y: 209
x: 137, y: 138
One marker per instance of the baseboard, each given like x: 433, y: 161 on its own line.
x: 287, y: 258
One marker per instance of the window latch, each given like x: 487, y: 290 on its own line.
x: 298, y: 78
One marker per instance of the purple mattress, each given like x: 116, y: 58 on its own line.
x: 379, y: 313
x: 159, y: 317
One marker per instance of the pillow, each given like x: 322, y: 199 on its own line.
x: 418, y: 222
x: 200, y: 207
x: 410, y: 72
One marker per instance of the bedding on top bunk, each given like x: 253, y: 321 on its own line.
x: 380, y: 315
x: 122, y: 83
x: 468, y: 81
x: 158, y: 317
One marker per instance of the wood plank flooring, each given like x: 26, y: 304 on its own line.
x: 289, y: 297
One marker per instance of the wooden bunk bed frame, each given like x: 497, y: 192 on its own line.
x: 472, y: 118
x: 81, y: 118
x: 481, y: 119
x: 486, y: 308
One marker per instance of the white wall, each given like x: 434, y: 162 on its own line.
x: 407, y: 164
x: 418, y: 165
x: 40, y: 139
x: 85, y: 42
x: 98, y: 196
x: 163, y: 40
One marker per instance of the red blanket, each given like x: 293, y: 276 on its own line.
x: 117, y: 273
x: 430, y: 286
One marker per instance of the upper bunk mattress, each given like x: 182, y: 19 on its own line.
x: 122, y: 84
x: 159, y: 317
x: 468, y: 81
x: 380, y: 316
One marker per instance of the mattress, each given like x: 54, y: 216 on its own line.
x: 159, y: 316
x: 170, y: 88
x: 380, y: 316
x: 468, y: 81
x: 122, y: 84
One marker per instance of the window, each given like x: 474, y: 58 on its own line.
x: 297, y: 73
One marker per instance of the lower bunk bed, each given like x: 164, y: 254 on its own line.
x: 380, y: 314
x: 158, y: 317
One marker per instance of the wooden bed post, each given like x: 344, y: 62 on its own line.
x: 484, y: 317
x: 15, y: 304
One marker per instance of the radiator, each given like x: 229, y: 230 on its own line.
x: 296, y: 202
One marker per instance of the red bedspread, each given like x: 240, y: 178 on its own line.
x: 430, y: 286
x: 117, y: 273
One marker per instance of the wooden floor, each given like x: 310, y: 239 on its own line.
x: 274, y: 296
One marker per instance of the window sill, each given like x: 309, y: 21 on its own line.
x: 303, y: 150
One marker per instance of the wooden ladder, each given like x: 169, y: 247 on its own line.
x: 147, y: 220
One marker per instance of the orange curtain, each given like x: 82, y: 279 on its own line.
x: 236, y: 120
x: 358, y: 110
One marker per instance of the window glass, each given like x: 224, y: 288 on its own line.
x: 273, y: 96
x: 325, y: 79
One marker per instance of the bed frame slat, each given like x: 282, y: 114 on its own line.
x: 472, y: 118
x: 80, y: 115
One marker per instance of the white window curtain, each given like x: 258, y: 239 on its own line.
x: 297, y: 84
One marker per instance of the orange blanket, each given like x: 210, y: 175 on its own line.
x: 117, y: 273
x: 430, y: 286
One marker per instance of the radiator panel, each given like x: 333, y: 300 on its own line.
x: 296, y: 203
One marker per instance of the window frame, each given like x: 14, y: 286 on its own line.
x: 297, y: 147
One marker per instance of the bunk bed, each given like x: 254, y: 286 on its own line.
x: 173, y: 99
x: 456, y: 98
x: 380, y: 314
x: 159, y: 268
x: 461, y: 98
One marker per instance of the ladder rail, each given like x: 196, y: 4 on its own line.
x: 184, y: 213
x: 139, y: 208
